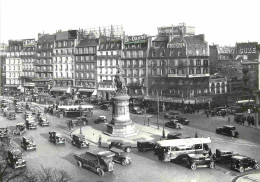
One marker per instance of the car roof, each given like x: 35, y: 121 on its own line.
x: 20, y: 123
x: 239, y: 157
x: 229, y: 126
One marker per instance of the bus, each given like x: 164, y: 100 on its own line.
x: 168, y: 150
x: 76, y: 110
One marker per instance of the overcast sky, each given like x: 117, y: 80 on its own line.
x: 223, y: 22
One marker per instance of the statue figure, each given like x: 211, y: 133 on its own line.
x: 120, y: 88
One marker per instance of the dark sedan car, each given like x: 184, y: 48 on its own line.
x: 183, y: 120
x: 105, y: 107
x: 143, y: 146
x: 227, y: 130
x: 241, y: 163
x: 152, y: 110
x: 135, y: 110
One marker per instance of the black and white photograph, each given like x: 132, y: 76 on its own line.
x: 129, y: 91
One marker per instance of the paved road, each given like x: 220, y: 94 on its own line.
x: 145, y: 166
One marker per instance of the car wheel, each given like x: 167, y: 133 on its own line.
x: 100, y: 172
x: 256, y: 166
x: 193, y: 166
x: 241, y: 169
x: 212, y: 165
x: 79, y: 164
x: 123, y: 162
x: 128, y: 149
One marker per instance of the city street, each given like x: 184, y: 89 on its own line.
x: 145, y: 166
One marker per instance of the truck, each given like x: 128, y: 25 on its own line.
x: 99, y: 161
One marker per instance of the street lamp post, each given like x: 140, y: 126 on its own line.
x: 80, y: 114
x: 157, y: 109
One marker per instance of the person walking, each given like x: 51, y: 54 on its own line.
x: 196, y: 134
x: 99, y: 140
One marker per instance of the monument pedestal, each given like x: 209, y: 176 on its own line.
x: 121, y: 125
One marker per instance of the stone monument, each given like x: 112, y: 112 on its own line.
x: 121, y: 125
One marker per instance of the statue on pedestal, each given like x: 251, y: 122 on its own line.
x: 120, y: 86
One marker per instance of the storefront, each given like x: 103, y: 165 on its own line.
x: 87, y: 92
x: 60, y: 91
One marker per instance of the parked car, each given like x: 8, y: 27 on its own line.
x: 171, y: 115
x: 183, y: 120
x: 79, y: 141
x: 105, y: 107
x: 227, y: 130
x: 151, y: 110
x: 20, y: 128
x: 27, y: 143
x: 242, y: 163
x: 28, y: 114
x: 101, y: 119
x: 56, y: 138
x: 18, y: 109
x: 14, y: 158
x: 43, y: 121
x: 176, y: 135
x: 223, y: 156
x: 119, y: 144
x: 30, y: 123
x: 239, y: 118
x: 120, y: 156
x: 143, y: 146
x: 33, y: 109
x: 4, y: 132
x: 11, y: 115
x: 200, y: 160
x: 97, y: 161
x: 173, y: 124
x: 136, y: 110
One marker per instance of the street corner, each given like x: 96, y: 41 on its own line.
x: 254, y: 177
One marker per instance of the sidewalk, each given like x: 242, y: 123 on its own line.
x: 255, y: 177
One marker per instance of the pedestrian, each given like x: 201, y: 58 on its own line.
x: 228, y: 119
x: 148, y: 122
x: 99, y: 140
x: 196, y: 135
x: 207, y: 114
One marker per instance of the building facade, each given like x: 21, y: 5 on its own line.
x: 134, y: 64
x: 63, y: 62
x: 85, y: 66
x: 13, y: 68
x: 218, y: 91
x: 28, y: 58
x: 108, y: 62
x: 43, y: 64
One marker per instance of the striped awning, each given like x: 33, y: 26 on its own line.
x: 86, y: 90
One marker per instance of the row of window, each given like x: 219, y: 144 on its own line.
x: 84, y: 58
x: 133, y: 63
x: 63, y: 75
x: 64, y: 43
x: 132, y: 54
x: 160, y: 71
x: 45, y: 54
x: 63, y: 67
x: 45, y: 46
x: 107, y: 62
x: 86, y: 50
x: 179, y: 62
x: 110, y: 46
x: 65, y: 60
x: 133, y: 72
x: 43, y: 75
x: 83, y: 67
x: 13, y: 81
x: 85, y: 75
x: 85, y: 83
x: 108, y: 53
x: 63, y: 52
x: 106, y: 71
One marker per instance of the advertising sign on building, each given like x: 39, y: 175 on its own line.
x: 137, y: 38
x: 176, y: 45
x: 249, y: 49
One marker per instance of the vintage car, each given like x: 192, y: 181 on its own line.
x: 97, y: 161
x: 79, y: 121
x: 18, y: 109
x: 223, y: 156
x: 79, y: 141
x: 143, y: 146
x: 19, y: 129
x: 105, y: 107
x: 101, y: 119
x: 120, y: 145
x: 183, y: 120
x: 120, y: 156
x: 200, y: 160
x: 14, y: 158
x: 56, y: 138
x: 11, y: 115
x: 135, y: 110
x: 176, y: 135
x: 27, y: 143
x: 40, y: 113
x: 151, y: 110
x: 28, y: 114
x: 4, y: 132
x: 227, y: 130
x: 30, y: 123
x: 239, y: 118
x: 33, y: 109
x: 171, y: 115
x: 27, y: 106
x: 173, y: 124
x: 43, y: 121
x: 242, y: 163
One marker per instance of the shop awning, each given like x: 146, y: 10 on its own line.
x: 60, y: 89
x: 94, y: 93
x: 86, y: 90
